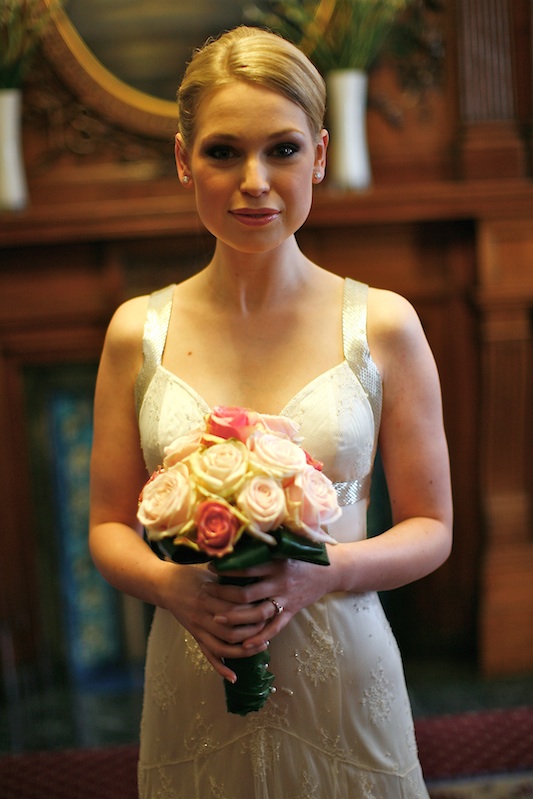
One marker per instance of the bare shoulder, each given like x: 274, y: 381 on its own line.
x: 389, y: 313
x: 122, y: 353
x: 128, y: 320
x: 126, y: 328
x: 394, y: 329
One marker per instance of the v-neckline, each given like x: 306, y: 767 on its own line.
x: 302, y: 391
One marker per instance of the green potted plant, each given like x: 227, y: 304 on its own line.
x: 22, y: 24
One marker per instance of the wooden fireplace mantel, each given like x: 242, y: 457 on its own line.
x: 172, y: 212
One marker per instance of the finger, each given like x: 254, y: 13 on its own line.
x: 235, y: 635
x: 269, y: 631
x: 219, y: 665
x: 221, y: 649
x: 259, y: 612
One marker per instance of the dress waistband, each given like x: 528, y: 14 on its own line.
x: 352, y: 491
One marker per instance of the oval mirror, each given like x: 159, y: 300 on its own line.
x: 124, y: 58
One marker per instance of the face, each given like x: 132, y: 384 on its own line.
x: 252, y: 165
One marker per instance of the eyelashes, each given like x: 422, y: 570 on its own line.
x: 224, y: 152
x: 220, y: 152
x: 286, y: 150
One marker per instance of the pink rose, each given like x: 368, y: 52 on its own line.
x: 311, y: 503
x: 313, y: 462
x: 166, y: 503
x: 281, y: 425
x: 218, y: 527
x: 262, y: 501
x: 232, y: 422
x: 221, y: 468
x: 181, y: 448
x: 277, y: 456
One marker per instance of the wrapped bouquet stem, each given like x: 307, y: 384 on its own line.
x: 239, y: 492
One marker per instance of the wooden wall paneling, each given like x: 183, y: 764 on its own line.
x: 522, y: 37
x: 455, y: 348
x: 506, y: 307
x: 52, y: 310
x: 19, y: 613
x: 490, y: 143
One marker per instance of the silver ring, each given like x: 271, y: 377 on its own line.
x: 279, y: 608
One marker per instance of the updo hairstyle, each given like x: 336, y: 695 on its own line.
x: 259, y: 57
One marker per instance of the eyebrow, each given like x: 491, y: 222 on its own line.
x: 231, y: 137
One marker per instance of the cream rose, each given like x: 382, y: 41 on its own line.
x: 262, y: 501
x: 181, y: 448
x: 166, y: 503
x: 220, y: 469
x: 311, y: 503
x: 275, y: 455
x: 281, y: 425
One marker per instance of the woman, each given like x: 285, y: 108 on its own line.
x: 265, y: 328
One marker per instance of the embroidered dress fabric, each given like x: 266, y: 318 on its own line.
x: 339, y: 724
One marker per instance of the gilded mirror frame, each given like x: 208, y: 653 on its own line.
x: 101, y: 91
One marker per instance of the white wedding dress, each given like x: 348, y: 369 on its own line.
x: 339, y: 725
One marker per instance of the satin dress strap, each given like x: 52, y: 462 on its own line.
x: 357, y: 354
x: 154, y: 339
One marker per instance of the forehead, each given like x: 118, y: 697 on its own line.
x: 237, y: 107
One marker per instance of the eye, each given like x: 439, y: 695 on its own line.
x: 220, y: 152
x: 285, y: 150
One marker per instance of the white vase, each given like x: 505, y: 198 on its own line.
x: 348, y: 159
x: 13, y: 186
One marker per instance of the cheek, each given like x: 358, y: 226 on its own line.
x: 300, y: 195
x: 212, y: 196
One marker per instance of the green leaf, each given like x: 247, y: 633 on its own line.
x: 291, y: 545
x: 248, y: 552
x: 253, y: 686
x: 179, y: 553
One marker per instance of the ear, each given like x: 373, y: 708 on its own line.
x: 319, y: 167
x: 182, y: 161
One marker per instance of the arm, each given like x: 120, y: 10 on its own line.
x: 117, y: 477
x: 415, y: 457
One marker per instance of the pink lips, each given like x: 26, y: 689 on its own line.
x: 255, y: 217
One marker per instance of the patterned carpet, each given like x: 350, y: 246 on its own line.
x: 473, y: 744
x: 486, y: 755
x: 495, y: 787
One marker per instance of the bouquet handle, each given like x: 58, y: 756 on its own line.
x: 254, y: 681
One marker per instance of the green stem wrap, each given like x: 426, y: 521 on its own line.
x: 254, y: 680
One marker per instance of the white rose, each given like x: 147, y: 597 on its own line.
x: 275, y: 455
x: 262, y: 501
x: 311, y: 503
x: 220, y: 469
x: 166, y: 503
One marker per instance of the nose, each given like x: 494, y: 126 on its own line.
x: 255, y: 177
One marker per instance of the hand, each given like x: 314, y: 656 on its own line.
x: 191, y: 594
x: 294, y: 585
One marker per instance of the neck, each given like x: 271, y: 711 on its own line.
x: 250, y: 282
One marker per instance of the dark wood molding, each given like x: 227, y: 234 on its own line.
x: 491, y: 142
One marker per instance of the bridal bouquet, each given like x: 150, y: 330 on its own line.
x: 239, y: 492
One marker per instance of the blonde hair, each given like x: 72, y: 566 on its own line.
x: 259, y: 57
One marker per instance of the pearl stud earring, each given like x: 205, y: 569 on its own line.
x: 317, y: 175
x: 185, y: 179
